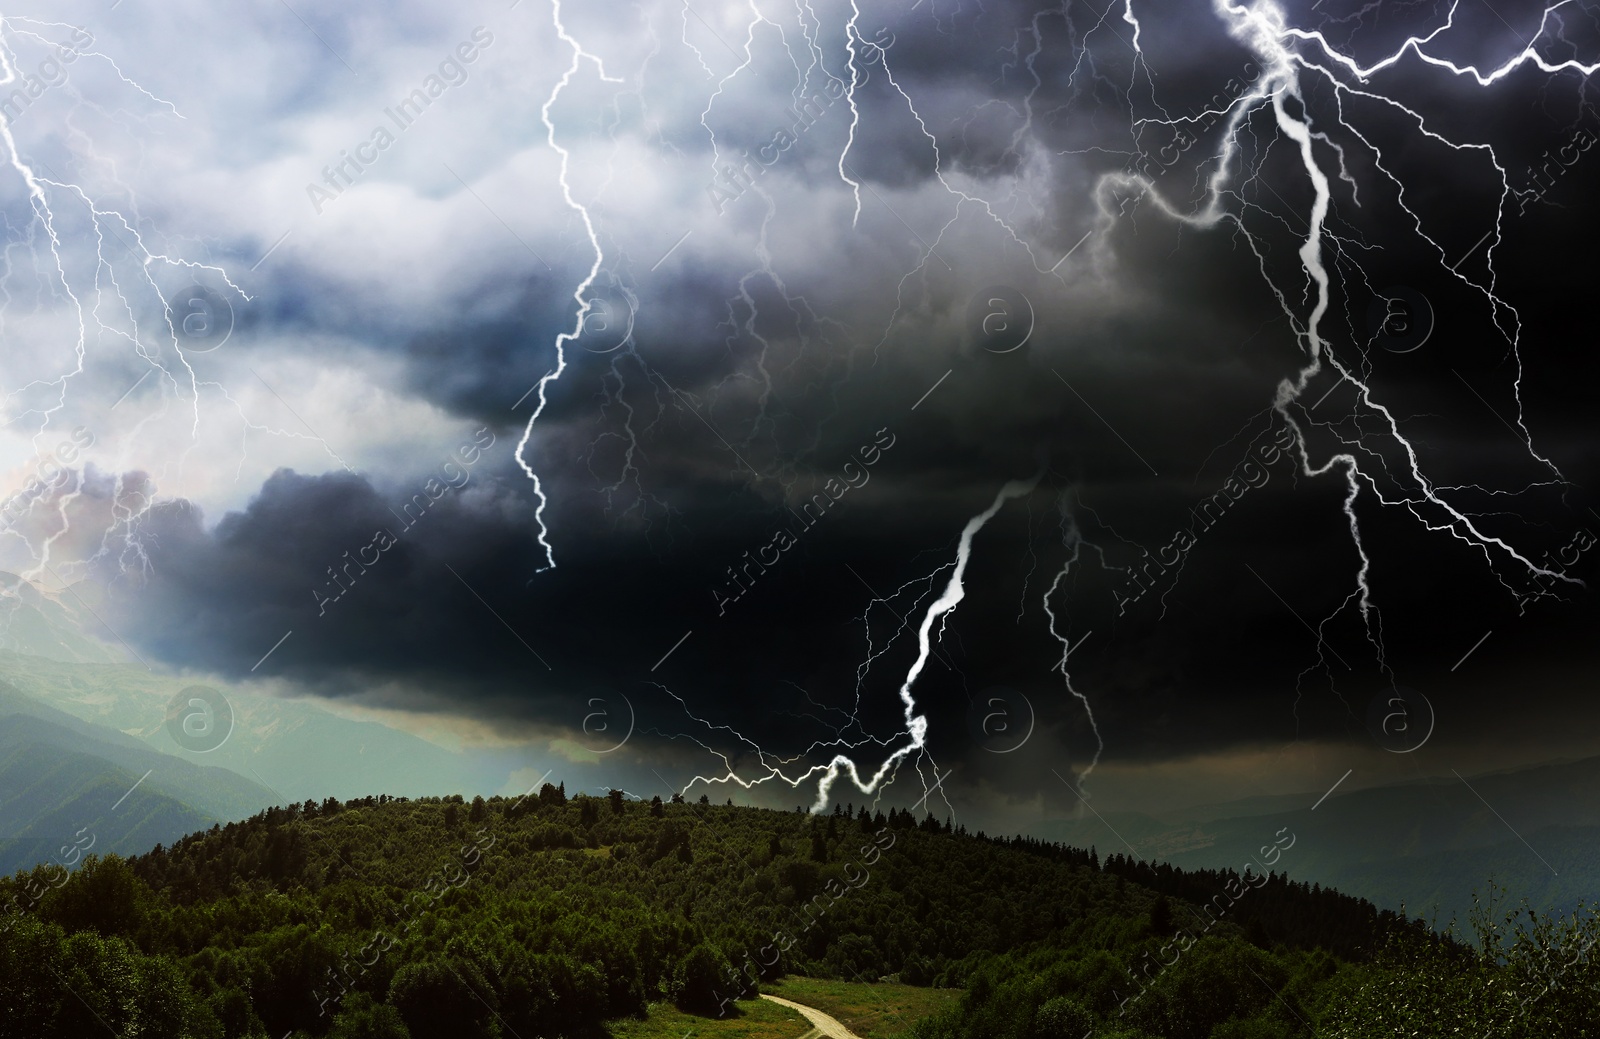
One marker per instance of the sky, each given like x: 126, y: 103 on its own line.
x: 996, y: 408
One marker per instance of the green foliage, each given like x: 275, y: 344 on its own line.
x: 103, y: 895
x: 440, y: 999
x: 696, y: 979
x: 1161, y: 917
x: 1208, y: 984
x: 56, y: 984
x: 363, y: 1018
x: 1524, y: 975
x: 231, y: 1009
x: 1060, y: 1017
x: 388, y: 917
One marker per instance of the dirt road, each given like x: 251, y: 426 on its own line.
x: 824, y: 1025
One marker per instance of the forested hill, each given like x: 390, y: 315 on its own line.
x: 740, y: 874
x: 548, y: 916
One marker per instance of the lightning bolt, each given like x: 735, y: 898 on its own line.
x: 107, y: 278
x: 1262, y: 27
x: 915, y: 733
x: 1073, y: 541
x: 579, y: 56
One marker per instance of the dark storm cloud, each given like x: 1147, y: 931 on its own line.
x: 1143, y: 392
x: 1213, y: 667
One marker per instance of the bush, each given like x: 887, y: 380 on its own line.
x: 442, y: 1000
x: 1062, y: 1018
x: 700, y: 982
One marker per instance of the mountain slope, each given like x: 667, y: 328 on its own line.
x: 58, y: 806
x: 54, y: 649
x: 293, y: 747
x: 67, y: 786
x: 1427, y: 844
x: 56, y: 628
x: 216, y: 792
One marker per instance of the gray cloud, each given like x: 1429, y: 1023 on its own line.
x: 771, y: 341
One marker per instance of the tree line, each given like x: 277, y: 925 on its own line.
x: 549, y: 915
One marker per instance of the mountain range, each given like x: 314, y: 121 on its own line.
x: 294, y: 748
x: 1427, y: 845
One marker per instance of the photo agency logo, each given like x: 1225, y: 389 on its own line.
x: 1543, y: 975
x: 453, y: 876
x: 199, y: 719
x: 1142, y: 577
x: 1565, y: 557
x: 47, y: 75
x: 607, y: 724
x: 452, y: 72
x: 1399, y: 319
x: 1000, y: 319
x: 31, y: 890
x: 201, y: 319
x: 1001, y: 720
x: 606, y: 323
x: 1235, y: 887
x: 1567, y: 155
x: 1400, y: 720
x: 1147, y: 167
x: 745, y: 979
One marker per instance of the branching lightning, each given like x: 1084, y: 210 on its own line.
x: 915, y: 734
x: 1262, y: 26
x: 94, y: 262
x: 1319, y: 132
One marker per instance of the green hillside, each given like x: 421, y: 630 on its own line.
x: 68, y: 787
x: 53, y: 802
x: 548, y: 916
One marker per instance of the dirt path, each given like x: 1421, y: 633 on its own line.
x: 824, y: 1025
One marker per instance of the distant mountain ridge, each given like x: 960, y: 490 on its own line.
x: 1427, y: 844
x: 68, y: 787
x: 51, y: 649
x: 40, y: 624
